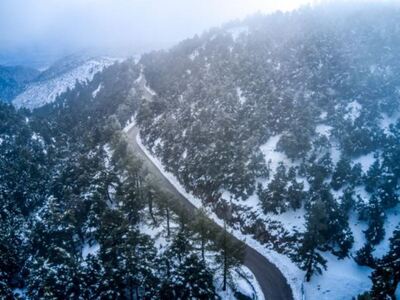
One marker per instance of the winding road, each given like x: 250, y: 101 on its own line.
x: 272, y: 282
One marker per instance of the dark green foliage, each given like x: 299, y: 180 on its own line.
x: 283, y: 192
x: 364, y: 256
x: 326, y: 217
x: 195, y: 279
x: 318, y: 169
x: 53, y: 280
x: 347, y: 202
x: 327, y: 228
x: 184, y: 274
x: 275, y: 197
x: 342, y: 173
x: 10, y: 256
x: 386, y: 276
x: 205, y: 231
x: 297, y: 141
x: 187, y: 278
x: 309, y: 257
x: 376, y: 217
x: 295, y: 192
x: 364, y: 296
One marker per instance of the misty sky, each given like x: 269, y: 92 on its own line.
x: 132, y: 24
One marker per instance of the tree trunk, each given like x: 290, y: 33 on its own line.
x: 150, y: 197
x: 137, y: 293
x: 130, y: 289
x: 225, y: 258
x: 225, y: 271
x: 309, y: 268
x: 203, y: 242
x: 168, y: 227
x: 393, y: 288
x: 168, y: 267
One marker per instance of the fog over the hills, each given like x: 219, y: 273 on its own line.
x: 36, y: 32
x: 53, y: 27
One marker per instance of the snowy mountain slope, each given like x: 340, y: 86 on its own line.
x: 53, y: 83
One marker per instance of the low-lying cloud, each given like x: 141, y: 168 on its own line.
x: 130, y: 24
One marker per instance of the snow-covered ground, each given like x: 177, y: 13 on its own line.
x: 343, y: 279
x: 239, y: 92
x: 274, y: 157
x: 245, y: 283
x: 43, y: 92
x: 353, y: 111
x: 366, y: 161
x: 386, y: 121
x: 91, y: 249
x: 96, y: 91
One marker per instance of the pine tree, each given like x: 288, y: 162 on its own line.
x: 375, y: 231
x: 319, y: 169
x: 195, y: 279
x: 311, y: 261
x: 204, y: 231
x: 296, y: 194
x: 51, y: 280
x: 347, y: 201
x: 92, y: 273
x: 356, y: 175
x: 386, y: 276
x: 341, y: 174
x: 230, y: 255
x: 372, y: 178
x: 274, y: 198
x: 138, y: 257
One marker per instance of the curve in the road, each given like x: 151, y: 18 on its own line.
x: 272, y: 282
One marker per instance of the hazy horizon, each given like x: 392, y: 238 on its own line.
x: 45, y: 29
x: 37, y: 32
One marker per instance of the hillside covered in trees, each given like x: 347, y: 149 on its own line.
x: 292, y: 121
x: 285, y: 126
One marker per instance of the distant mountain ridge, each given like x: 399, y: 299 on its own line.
x: 30, y: 88
x: 60, y: 77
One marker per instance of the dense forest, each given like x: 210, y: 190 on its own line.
x: 285, y: 126
x: 318, y: 85
x: 13, y: 81
x: 80, y: 219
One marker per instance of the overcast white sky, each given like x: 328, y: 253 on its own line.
x: 75, y: 24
